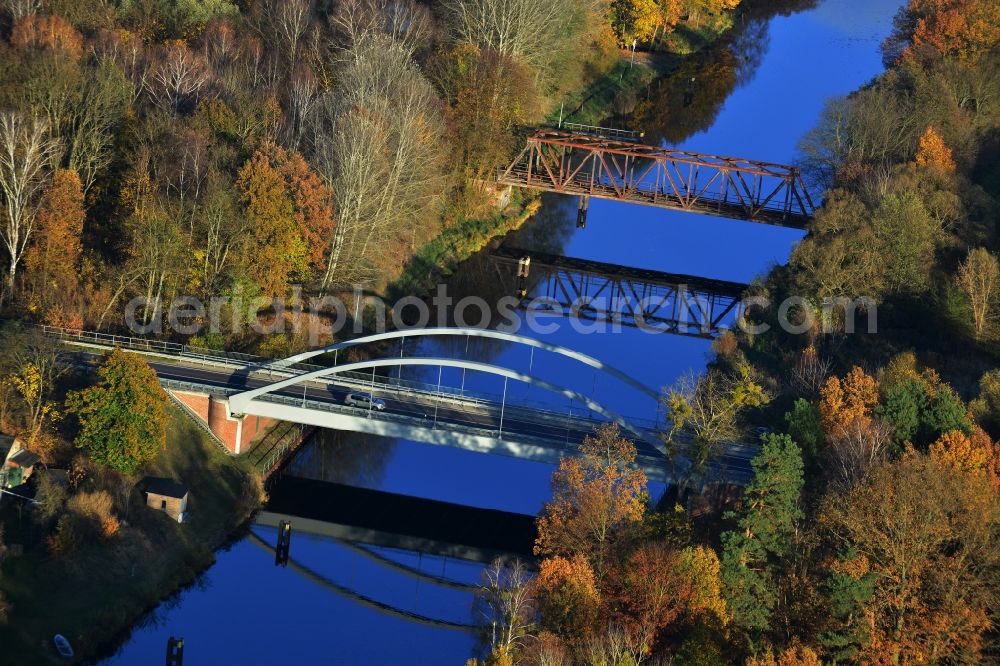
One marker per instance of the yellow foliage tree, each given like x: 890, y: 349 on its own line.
x: 30, y: 387
x: 960, y: 451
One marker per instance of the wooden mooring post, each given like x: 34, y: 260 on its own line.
x: 175, y: 651
x: 284, y: 543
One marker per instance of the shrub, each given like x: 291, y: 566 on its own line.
x: 95, y: 511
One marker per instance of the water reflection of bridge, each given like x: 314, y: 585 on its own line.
x: 345, y: 591
x: 366, y: 521
x: 651, y: 300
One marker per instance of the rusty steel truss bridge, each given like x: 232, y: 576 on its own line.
x: 592, y: 165
x: 647, y: 299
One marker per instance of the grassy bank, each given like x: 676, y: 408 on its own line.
x: 437, y: 259
x: 606, y: 95
x: 94, y: 593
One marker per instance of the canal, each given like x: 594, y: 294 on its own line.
x: 753, y: 97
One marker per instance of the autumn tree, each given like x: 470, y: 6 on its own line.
x: 275, y: 252
x: 855, y: 437
x: 643, y: 20
x: 123, y: 418
x: 598, y: 502
x: 52, y: 261
x: 979, y: 279
x: 35, y: 31
x: 965, y: 29
x: 312, y: 202
x: 933, y: 153
x: 765, y: 524
x: 569, y: 601
x: 704, y: 413
x: 928, y: 533
x: 490, y: 95
x: 844, y: 400
x: 973, y: 454
x: 37, y: 363
x: 659, y: 586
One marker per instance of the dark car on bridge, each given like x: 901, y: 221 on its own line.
x: 364, y: 400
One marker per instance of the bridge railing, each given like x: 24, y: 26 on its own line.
x: 604, y: 132
x: 401, y: 386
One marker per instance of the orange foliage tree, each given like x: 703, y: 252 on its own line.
x: 962, y: 28
x: 933, y: 153
x: 276, y: 253
x: 844, y: 400
x: 598, y: 502
x: 975, y: 454
x: 568, y: 599
x: 52, y: 32
x: 928, y: 532
x: 52, y: 261
x: 660, y: 585
x: 311, y: 200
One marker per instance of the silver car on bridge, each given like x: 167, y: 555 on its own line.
x: 364, y: 401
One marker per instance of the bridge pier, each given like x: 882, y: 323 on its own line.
x: 212, y: 411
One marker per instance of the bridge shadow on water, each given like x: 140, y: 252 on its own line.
x: 379, y: 518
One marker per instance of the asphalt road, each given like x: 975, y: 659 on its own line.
x: 563, y: 434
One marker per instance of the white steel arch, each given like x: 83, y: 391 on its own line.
x: 476, y: 333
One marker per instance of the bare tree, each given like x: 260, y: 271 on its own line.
x: 288, y: 21
x: 178, y: 78
x: 979, y: 279
x: 857, y: 134
x: 378, y: 140
x: 506, y: 605
x: 18, y: 9
x: 405, y: 22
x: 856, y: 448
x: 26, y: 151
x: 810, y: 372
x: 531, y: 31
x: 222, y: 228
x: 105, y: 96
x: 302, y: 94
x: 617, y: 645
x: 127, y: 52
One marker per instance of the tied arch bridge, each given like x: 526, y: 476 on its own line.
x: 235, y: 397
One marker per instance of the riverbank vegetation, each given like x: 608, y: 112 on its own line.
x: 217, y: 149
x: 87, y: 558
x: 869, y: 532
